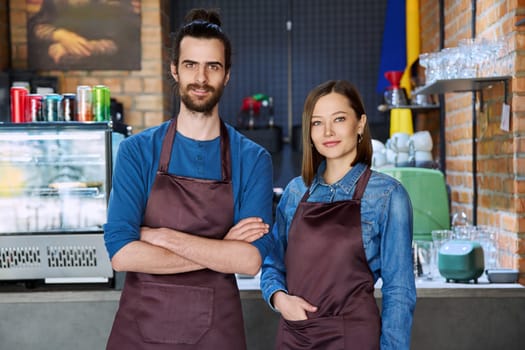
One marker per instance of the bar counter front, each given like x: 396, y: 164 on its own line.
x: 447, y: 316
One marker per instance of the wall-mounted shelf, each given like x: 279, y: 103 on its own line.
x: 462, y: 85
x: 475, y: 85
x: 415, y: 108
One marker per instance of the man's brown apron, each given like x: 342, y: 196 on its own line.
x: 193, y: 310
x: 326, y: 265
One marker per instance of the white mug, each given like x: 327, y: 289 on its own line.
x: 400, y: 141
x: 423, y: 156
x: 378, y: 159
x: 390, y: 156
x: 421, y: 141
x: 401, y: 157
x: 377, y: 146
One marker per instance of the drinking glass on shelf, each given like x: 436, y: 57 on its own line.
x: 504, y: 61
x: 450, y: 60
x: 483, y: 57
x: 494, y: 51
x: 424, y: 61
x: 431, y: 61
x: 467, y: 64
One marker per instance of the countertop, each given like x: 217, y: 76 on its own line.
x: 436, y: 288
x: 249, y: 287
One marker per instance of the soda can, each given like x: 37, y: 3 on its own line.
x: 18, y: 98
x: 100, y: 109
x: 33, y: 108
x: 84, y: 112
x: 108, y: 103
x: 52, y: 107
x: 69, y: 107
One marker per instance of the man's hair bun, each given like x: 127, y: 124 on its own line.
x: 211, y: 16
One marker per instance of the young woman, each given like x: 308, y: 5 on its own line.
x: 339, y: 228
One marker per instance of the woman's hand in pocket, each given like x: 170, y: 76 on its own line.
x: 291, y: 307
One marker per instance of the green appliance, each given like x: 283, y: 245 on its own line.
x: 428, y: 193
x: 461, y: 261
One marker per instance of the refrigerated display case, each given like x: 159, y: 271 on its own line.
x: 54, y: 186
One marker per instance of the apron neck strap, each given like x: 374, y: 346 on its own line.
x: 167, y: 146
x: 225, y: 153
x: 359, y: 190
x: 361, y: 184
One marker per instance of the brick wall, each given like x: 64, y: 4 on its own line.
x: 167, y: 79
x: 141, y: 92
x: 501, y: 155
x: 4, y: 36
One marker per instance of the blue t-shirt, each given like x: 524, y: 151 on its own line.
x: 137, y: 162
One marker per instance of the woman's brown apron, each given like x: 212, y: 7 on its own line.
x: 326, y: 265
x: 192, y: 310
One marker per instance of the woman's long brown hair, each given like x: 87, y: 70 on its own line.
x: 311, y: 157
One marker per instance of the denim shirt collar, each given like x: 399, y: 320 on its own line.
x: 345, y: 184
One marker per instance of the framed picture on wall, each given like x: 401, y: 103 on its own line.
x: 84, y: 34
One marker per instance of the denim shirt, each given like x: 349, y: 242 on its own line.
x: 386, y: 220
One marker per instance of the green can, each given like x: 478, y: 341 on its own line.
x: 100, y: 102
x: 107, y: 96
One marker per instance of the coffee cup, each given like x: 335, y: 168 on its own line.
x: 400, y: 141
x: 401, y: 158
x: 390, y: 156
x: 421, y: 141
x: 423, y: 156
x: 378, y: 159
x: 377, y: 146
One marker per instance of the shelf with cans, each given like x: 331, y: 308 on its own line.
x: 88, y: 104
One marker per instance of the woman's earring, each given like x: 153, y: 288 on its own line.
x: 359, y: 138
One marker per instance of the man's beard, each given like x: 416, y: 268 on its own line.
x: 204, y: 106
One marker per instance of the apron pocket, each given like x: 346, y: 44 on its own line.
x: 323, y: 333
x: 175, y: 314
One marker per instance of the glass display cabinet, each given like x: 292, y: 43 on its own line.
x: 54, y: 186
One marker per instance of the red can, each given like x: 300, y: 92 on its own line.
x: 33, y: 108
x: 18, y: 110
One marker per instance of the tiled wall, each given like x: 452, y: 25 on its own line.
x: 501, y: 154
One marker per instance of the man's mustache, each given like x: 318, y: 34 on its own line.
x: 204, y: 87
